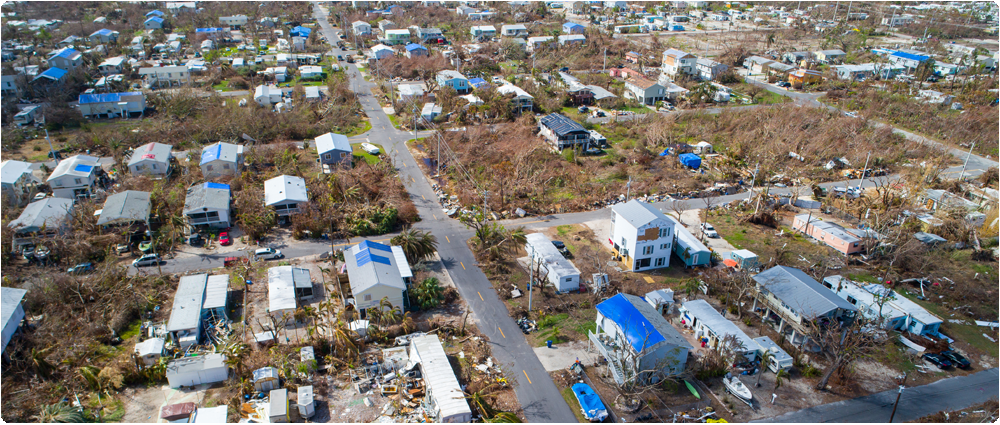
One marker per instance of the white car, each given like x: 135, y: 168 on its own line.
x: 267, y: 254
x: 709, y: 230
x: 370, y: 148
x: 146, y: 260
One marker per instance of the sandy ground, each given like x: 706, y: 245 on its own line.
x: 601, y: 228
x: 143, y: 405
x: 561, y: 356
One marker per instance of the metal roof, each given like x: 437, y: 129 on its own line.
x: 281, y: 284
x: 551, y: 258
x: 219, y: 151
x: 278, y: 402
x: 266, y: 372
x: 205, y: 196
x: 834, y: 229
x: 186, y: 311
x: 401, y: 263
x: 52, y: 73
x: 440, y: 377
x: 150, y: 346
x: 800, y: 292
x: 125, y: 207
x: 600, y: 92
x: 685, y: 238
x: 929, y: 238
x: 370, y: 264
x: 782, y: 67
x: 72, y: 166
x: 679, y: 54
x: 910, y: 56
x: 158, y: 152
x: 211, y: 415
x: 332, y: 141
x: 561, y: 124
x: 208, y: 30
x: 451, y: 74
x: 196, y: 364
x: 571, y: 37
x: 305, y: 395
x: 644, y: 328
x: 832, y: 52
x: 106, y: 97
x: 12, y: 170
x: 49, y: 213
x: 515, y: 90
x: 216, y: 292
x: 711, y: 319
x: 572, y: 25
x: 156, y: 19
x: 285, y: 188
x: 10, y: 298
x: 154, y: 12
x: 638, y: 213
x: 414, y: 46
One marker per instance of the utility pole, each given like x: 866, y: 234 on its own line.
x: 849, y: 4
x: 899, y: 394
x: 605, y: 60
x: 52, y: 151
x: 531, y: 276
x: 628, y: 189
x: 753, y: 182
x: 864, y: 171
x: 960, y: 177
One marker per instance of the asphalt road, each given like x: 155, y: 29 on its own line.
x: 946, y: 394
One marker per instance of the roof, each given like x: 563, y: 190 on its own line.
x: 640, y: 81
x: 832, y: 52
x: 266, y: 372
x: 52, y: 74
x: 571, y: 37
x: 115, y: 61
x: 707, y: 62
x: 67, y: 53
x: 781, y: 67
x: 910, y: 56
x: 551, y: 257
x: 370, y: 264
x: 332, y: 141
x: 711, y: 319
x: 929, y: 238
x: 802, y: 72
x: 158, y: 152
x: 572, y: 25
x: 600, y: 92
x: 281, y: 284
x: 125, y: 207
x: 150, y: 346
x: 513, y: 27
x: 10, y: 298
x: 76, y: 165
x: 679, y: 54
x: 285, y: 188
x: 800, y: 292
x: 219, y: 151
x: 12, y: 170
x: 211, y: 415
x: 401, y: 263
x: 758, y: 60
x: 305, y: 395
x: 278, y: 402
x: 216, y: 292
x: 414, y: 46
x: 156, y: 19
x: 430, y: 109
x: 540, y: 39
x: 207, y: 196
x: 188, y: 300
x: 451, y: 74
x: 561, y: 124
x: 440, y: 377
x: 154, y: 12
x: 106, y: 97
x: 515, y: 90
x: 834, y: 229
x: 49, y: 213
x: 186, y: 365
x: 638, y: 213
x: 643, y: 326
x: 660, y: 296
x: 685, y: 238
x: 103, y: 31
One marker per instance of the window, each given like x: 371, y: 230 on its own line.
x: 225, y: 166
x: 660, y: 262
x: 343, y: 154
x: 665, y: 246
x: 328, y: 156
x: 646, y: 250
x: 77, y: 181
x: 368, y: 297
x: 154, y: 166
x: 569, y: 279
x: 208, y: 168
x: 664, y: 232
x: 855, y: 244
x: 623, y: 241
x: 851, y: 300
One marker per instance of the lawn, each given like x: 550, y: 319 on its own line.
x: 395, y: 120
x: 361, y: 129
x: 369, y: 158
x: 971, y: 334
x: 574, y: 404
x: 222, y: 86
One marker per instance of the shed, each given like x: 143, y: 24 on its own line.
x: 211, y: 415
x: 266, y: 379
x: 278, y: 406
x: 150, y: 350
x: 559, y: 271
x: 443, y: 390
x: 216, y: 296
x: 690, y: 160
x: 305, y: 401
x: 660, y: 298
x: 177, y: 412
x: 191, y: 371
x: 744, y: 259
x: 779, y: 358
x: 283, y: 282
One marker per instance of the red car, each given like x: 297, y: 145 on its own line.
x: 224, y: 239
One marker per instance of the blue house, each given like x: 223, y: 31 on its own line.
x: 300, y: 31
x: 414, y: 50
x: 153, y: 23
x: 453, y: 79
x: 573, y: 28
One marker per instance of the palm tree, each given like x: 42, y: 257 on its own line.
x: 236, y: 356
x: 428, y: 293
x: 58, y: 413
x: 690, y: 287
x: 778, y: 377
x: 417, y: 245
x: 765, y: 358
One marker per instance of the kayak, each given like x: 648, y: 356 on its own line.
x: 691, y: 388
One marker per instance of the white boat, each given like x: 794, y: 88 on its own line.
x: 736, y: 387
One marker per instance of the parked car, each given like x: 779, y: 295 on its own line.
x: 593, y: 150
x: 28, y: 252
x: 938, y: 360
x: 784, y: 84
x: 81, y: 268
x: 196, y: 240
x: 267, y: 254
x: 340, y: 57
x: 370, y: 148
x: 146, y: 260
x: 562, y: 249
x: 122, y: 248
x: 709, y: 230
x: 39, y: 196
x: 497, y: 79
x: 224, y: 239
x: 956, y: 359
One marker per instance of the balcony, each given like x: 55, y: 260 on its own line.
x: 607, y: 346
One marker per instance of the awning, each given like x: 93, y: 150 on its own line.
x: 729, y: 262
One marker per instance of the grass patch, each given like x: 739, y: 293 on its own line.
x: 369, y: 158
x: 222, y: 86
x: 970, y: 334
x: 862, y: 277
x: 394, y: 119
x: 360, y: 129
x: 132, y: 330
x: 573, y: 404
x: 564, y: 229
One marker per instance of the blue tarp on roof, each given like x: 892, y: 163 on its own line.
x: 477, y: 82
x: 154, y: 12
x: 105, y: 97
x: 216, y: 186
x: 156, y: 19
x: 571, y: 25
x: 300, y: 31
x: 53, y: 73
x: 639, y: 332
x: 414, y: 46
x: 103, y: 31
x: 211, y: 154
x: 366, y: 256
x: 83, y: 168
x: 374, y: 245
x: 590, y: 402
x: 910, y: 56
x: 67, y: 53
x: 690, y: 160
x: 207, y: 30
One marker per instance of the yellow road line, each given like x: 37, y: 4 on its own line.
x: 526, y: 375
x: 354, y: 243
x: 480, y: 295
x: 536, y: 221
x: 501, y: 332
x: 463, y: 268
x: 422, y: 196
x: 446, y: 238
x: 412, y: 179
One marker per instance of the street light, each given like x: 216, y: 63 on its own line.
x: 901, y: 380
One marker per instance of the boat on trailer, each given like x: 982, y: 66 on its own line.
x: 736, y: 387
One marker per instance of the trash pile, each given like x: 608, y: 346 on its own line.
x: 388, y: 375
x: 527, y: 325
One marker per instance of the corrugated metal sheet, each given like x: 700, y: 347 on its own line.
x: 707, y: 316
x: 800, y: 292
x: 440, y: 379
x: 332, y: 141
x: 561, y: 124
x: 127, y: 206
x: 638, y: 213
x: 364, y: 275
x: 285, y: 188
x: 401, y: 263
x: 216, y: 291
x: 186, y: 311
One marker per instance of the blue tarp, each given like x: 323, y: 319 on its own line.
x: 414, y: 46
x: 477, y: 82
x: 103, y: 31
x: 156, y: 19
x: 211, y: 154
x: 154, y: 12
x: 207, y: 30
x: 67, y: 53
x: 911, y: 56
x: 677, y: 28
x: 690, y: 160
x: 216, y: 186
x: 666, y: 152
x: 639, y: 332
x: 105, y: 97
x: 300, y: 31
x: 590, y: 402
x: 53, y: 73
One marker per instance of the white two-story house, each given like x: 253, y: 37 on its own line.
x: 642, y: 237
x: 74, y: 177
x: 677, y: 63
x: 286, y: 194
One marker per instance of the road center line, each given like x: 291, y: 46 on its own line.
x: 463, y: 268
x: 526, y: 375
x: 481, y: 297
x: 446, y: 238
x: 435, y: 216
x: 536, y: 221
x: 504, y: 336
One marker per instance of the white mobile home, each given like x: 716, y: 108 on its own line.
x: 559, y: 271
x: 712, y: 329
x: 192, y: 371
x: 443, y: 391
x: 285, y: 284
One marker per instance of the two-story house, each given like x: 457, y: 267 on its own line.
x: 235, y: 22
x: 207, y: 205
x: 361, y: 28
x: 453, y: 79
x: 66, y: 58
x: 334, y: 149
x: 709, y: 69
x: 165, y: 76
x: 104, y: 35
x: 16, y: 181
x: 514, y: 30
x: 430, y: 35
x: 677, y: 63
x: 75, y: 177
x: 562, y: 132
x: 286, y: 194
x: 796, y: 302
x: 644, y: 91
x: 521, y: 99
x: 642, y: 237
x: 483, y: 32
x: 394, y: 37
x: 111, y: 66
x: 108, y: 105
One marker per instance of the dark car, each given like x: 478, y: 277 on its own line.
x: 81, y: 268
x: 940, y: 361
x: 564, y: 69
x: 196, y: 240
x: 956, y: 359
x: 784, y: 84
x: 562, y: 249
